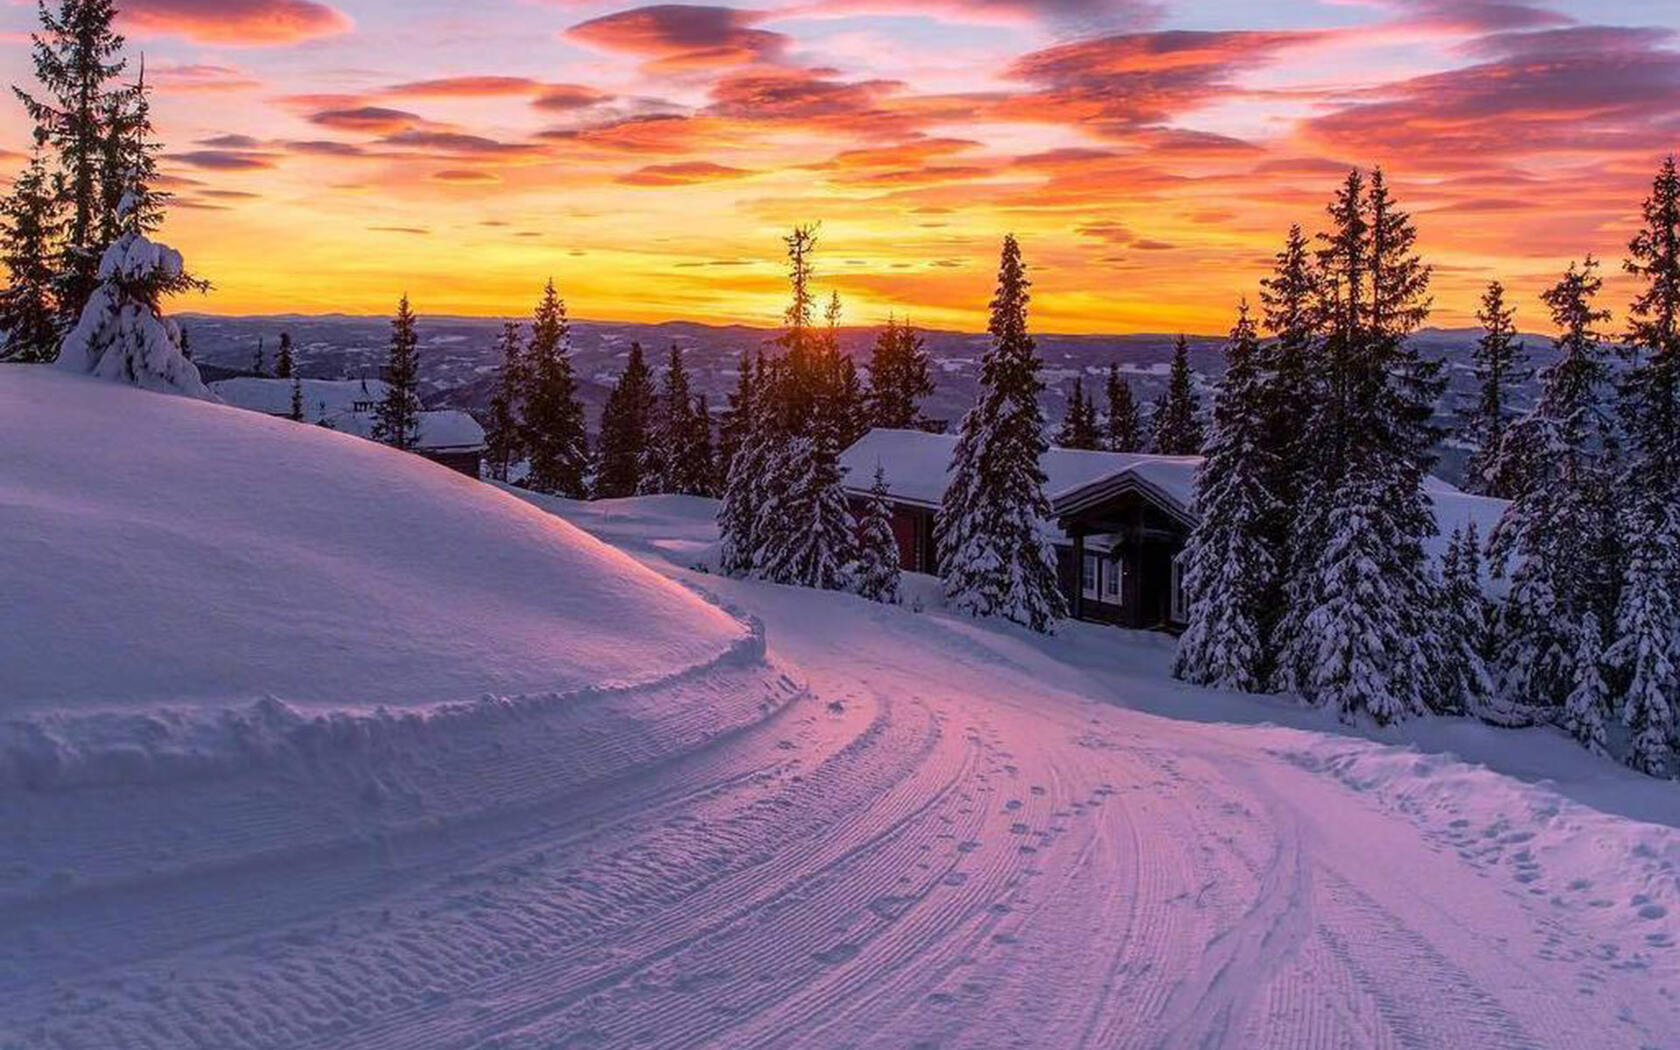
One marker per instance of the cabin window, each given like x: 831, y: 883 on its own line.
x: 1113, y: 572
x: 1092, y: 581
x: 1180, y: 595
x: 1102, y: 579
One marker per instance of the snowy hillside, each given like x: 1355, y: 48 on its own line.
x: 192, y: 555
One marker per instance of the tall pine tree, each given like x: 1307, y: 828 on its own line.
x: 1121, y: 429
x: 993, y: 555
x: 1176, y: 426
x: 1079, y: 421
x: 1646, y: 649
x: 29, y: 319
x: 1362, y: 634
x: 1550, y: 539
x: 1499, y: 360
x: 397, y: 416
x: 77, y: 57
x: 1231, y: 575
x: 555, y: 443
x: 625, y: 423
x: 898, y: 378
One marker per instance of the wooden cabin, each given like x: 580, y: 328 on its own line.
x: 1120, y: 520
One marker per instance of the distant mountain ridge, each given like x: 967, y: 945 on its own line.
x: 458, y: 359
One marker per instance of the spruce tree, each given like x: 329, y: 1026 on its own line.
x: 1231, y: 575
x: 554, y: 439
x: 993, y: 555
x: 1079, y: 423
x: 1121, y: 430
x: 1175, y: 427
x: 743, y: 487
x: 296, y: 412
x: 698, y: 473
x: 625, y: 422
x: 1464, y: 682
x: 284, y: 363
x: 898, y: 378
x: 1551, y: 537
x: 878, y: 576
x: 851, y: 403
x: 259, y: 359
x: 29, y: 320
x: 76, y: 55
x: 735, y: 422
x: 396, y: 419
x: 1362, y: 634
x: 122, y: 334
x: 503, y: 437
x: 1499, y: 360
x: 665, y: 469
x: 1646, y: 649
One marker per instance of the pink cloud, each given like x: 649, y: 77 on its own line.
x: 243, y: 22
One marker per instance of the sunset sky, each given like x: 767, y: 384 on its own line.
x: 1150, y: 155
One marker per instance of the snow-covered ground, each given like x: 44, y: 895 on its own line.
x: 823, y: 824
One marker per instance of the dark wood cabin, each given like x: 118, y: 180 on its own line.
x: 1118, y: 534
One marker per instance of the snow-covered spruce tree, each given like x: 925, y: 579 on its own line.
x: 625, y: 422
x: 1232, y: 571
x: 1645, y: 649
x: 804, y: 531
x: 1551, y: 539
x: 122, y: 334
x: 1121, y: 430
x: 396, y: 419
x: 1465, y: 686
x: 1079, y: 423
x: 994, y: 559
x: 898, y: 377
x: 29, y: 320
x: 502, y: 437
x: 877, y: 575
x: 1499, y: 360
x: 743, y: 486
x: 735, y: 421
x: 285, y: 364
x: 259, y: 359
x: 1586, y: 707
x: 555, y: 445
x: 1175, y: 428
x: 295, y: 413
x: 76, y: 59
x: 1362, y: 635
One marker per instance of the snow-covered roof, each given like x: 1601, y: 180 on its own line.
x: 917, y: 466
x: 321, y: 397
x: 442, y: 430
x: 334, y: 401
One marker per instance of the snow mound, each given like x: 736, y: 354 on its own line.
x: 188, y: 572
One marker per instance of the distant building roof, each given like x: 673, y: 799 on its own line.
x: 335, y: 403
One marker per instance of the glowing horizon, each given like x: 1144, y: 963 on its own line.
x: 1149, y: 155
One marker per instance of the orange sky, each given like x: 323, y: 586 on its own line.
x: 1149, y: 155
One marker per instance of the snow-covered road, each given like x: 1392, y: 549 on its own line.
x: 954, y: 837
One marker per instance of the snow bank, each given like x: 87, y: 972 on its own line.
x: 196, y: 584
x: 1598, y: 866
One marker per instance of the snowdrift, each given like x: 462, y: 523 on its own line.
x: 193, y: 585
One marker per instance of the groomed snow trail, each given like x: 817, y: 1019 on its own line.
x: 931, y: 834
